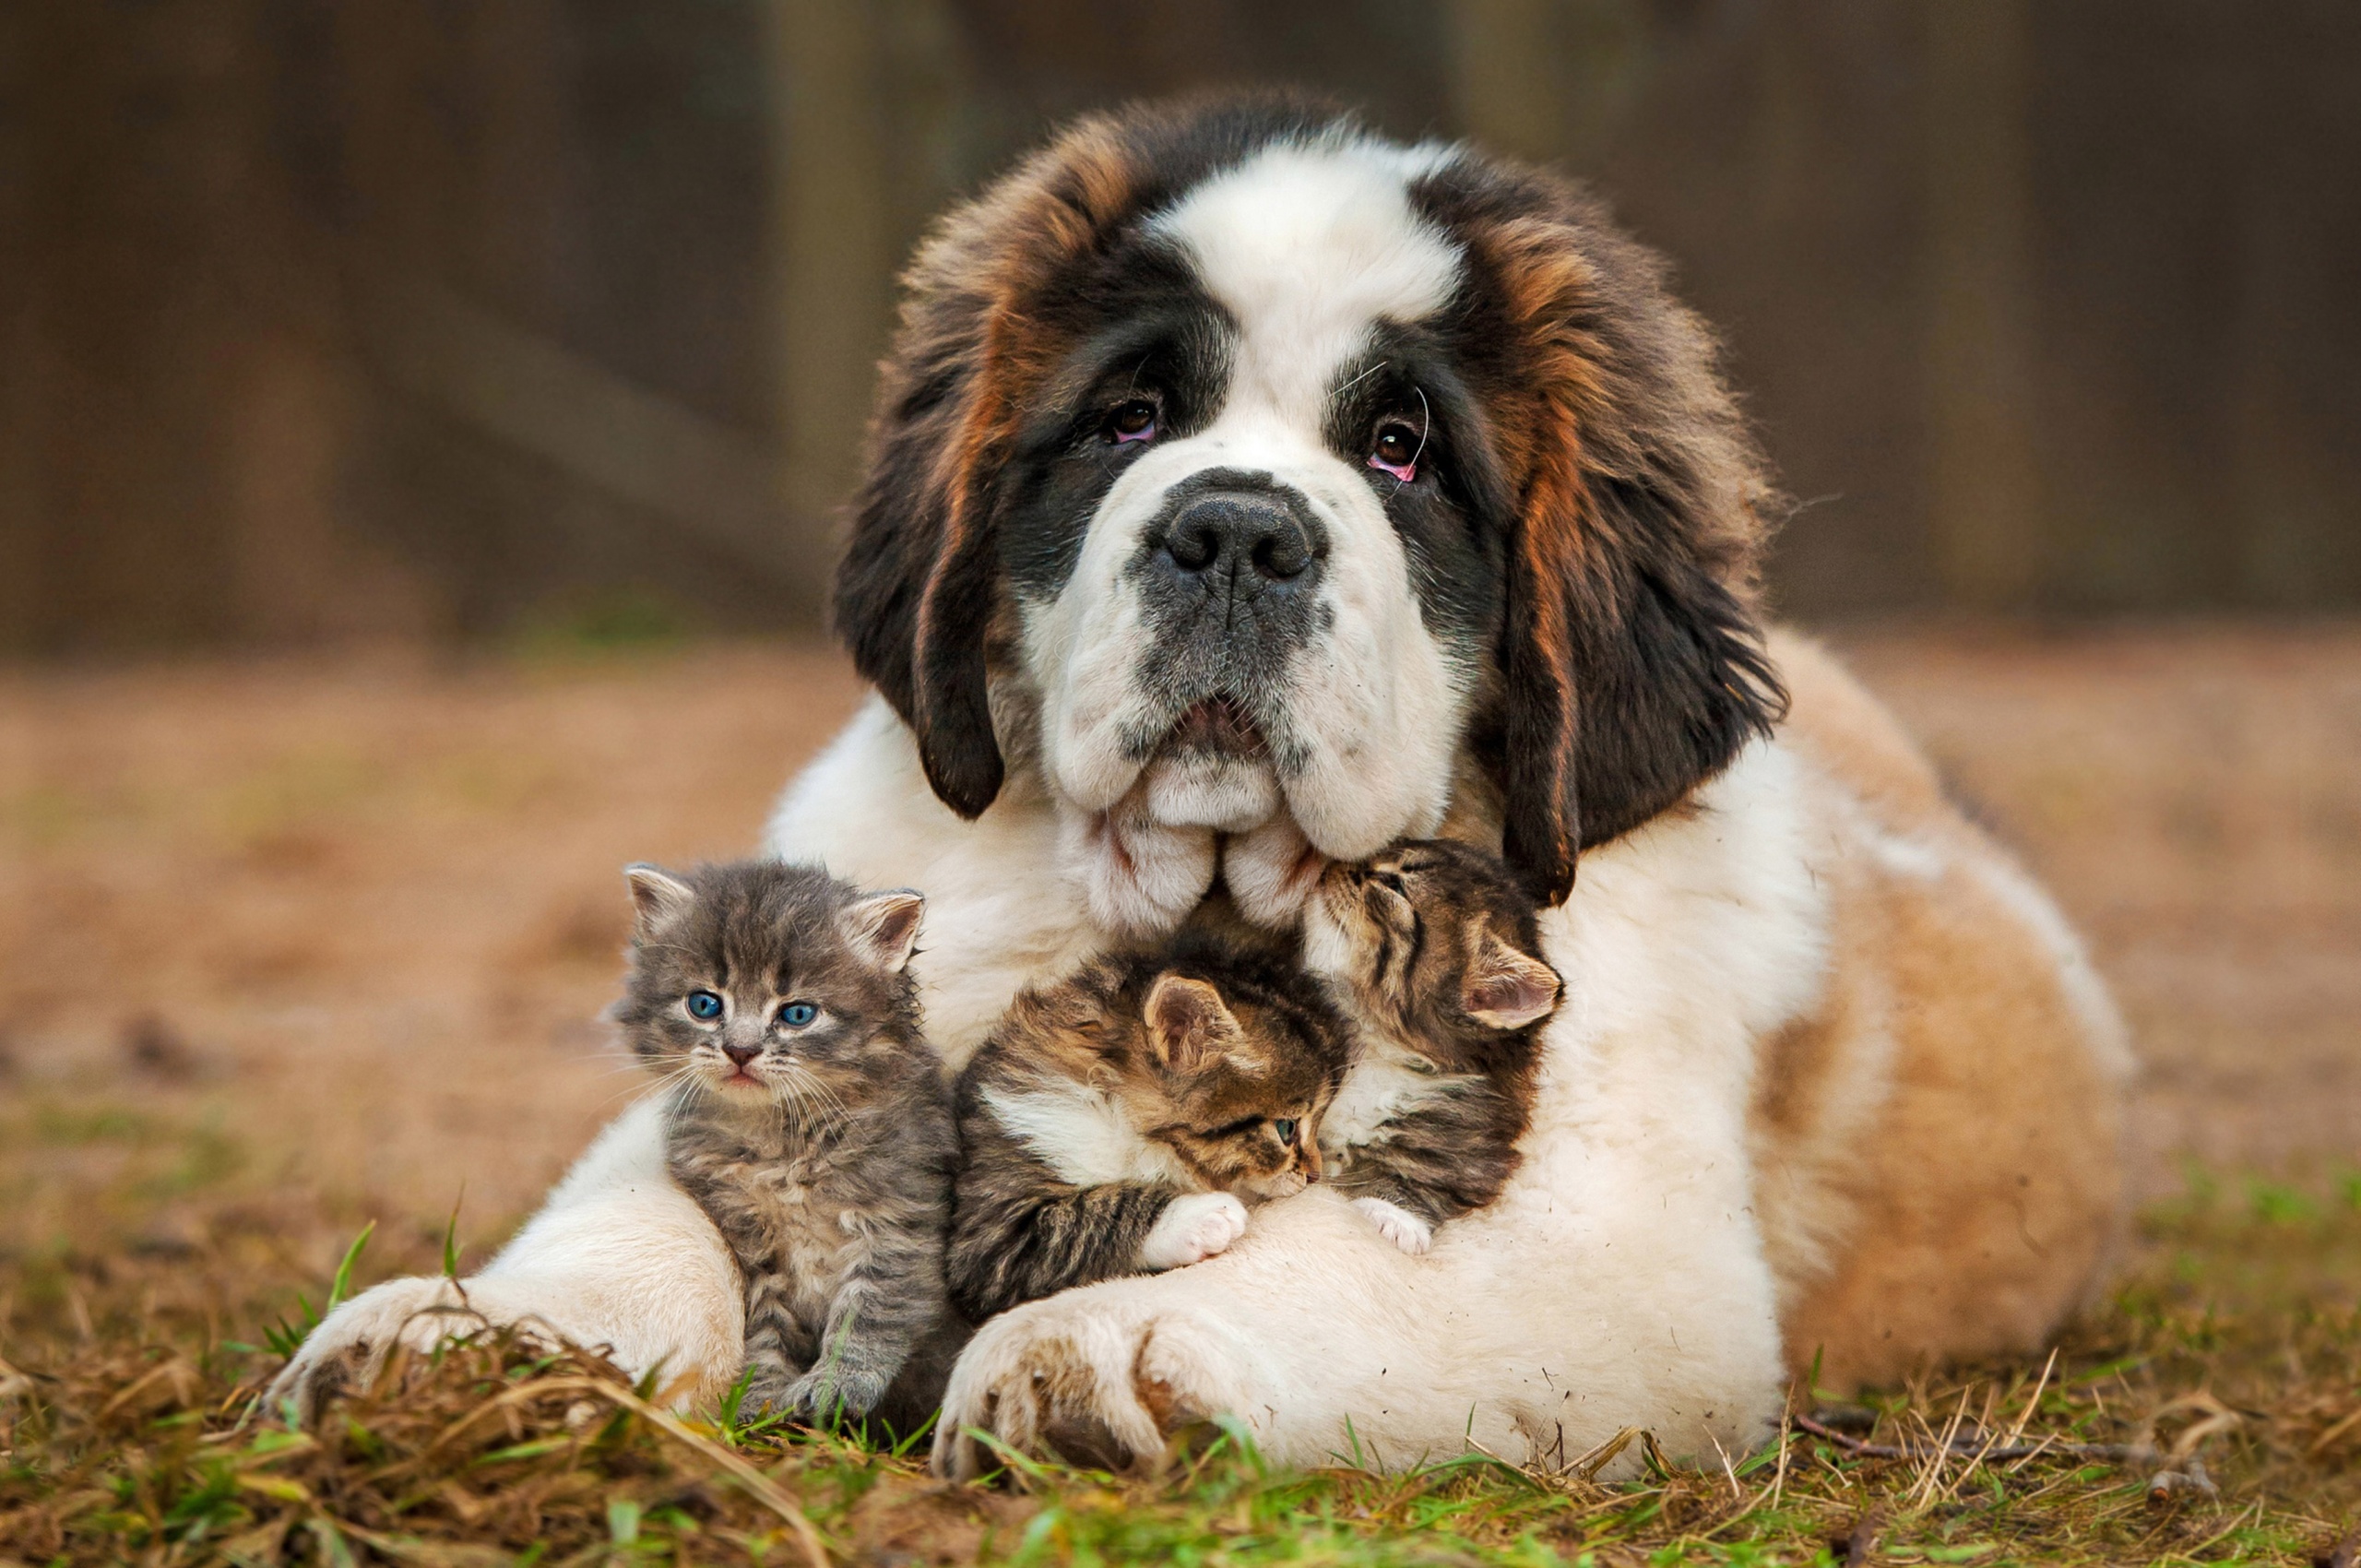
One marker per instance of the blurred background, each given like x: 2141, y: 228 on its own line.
x: 422, y: 423
x: 321, y: 319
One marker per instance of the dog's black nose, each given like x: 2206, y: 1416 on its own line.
x: 1231, y: 532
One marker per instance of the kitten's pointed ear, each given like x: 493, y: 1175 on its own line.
x: 1188, y: 1026
x: 884, y: 927
x: 1504, y: 989
x: 656, y: 895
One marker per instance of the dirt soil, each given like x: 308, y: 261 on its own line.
x: 340, y: 930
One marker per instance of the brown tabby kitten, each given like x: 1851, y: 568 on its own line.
x: 1434, y: 953
x: 1112, y: 1121
x: 810, y: 1121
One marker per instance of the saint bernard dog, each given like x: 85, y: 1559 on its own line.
x: 1246, y: 490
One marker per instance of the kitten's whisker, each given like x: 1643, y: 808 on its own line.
x: 810, y: 1103
x: 801, y: 1090
x: 634, y: 1092
x: 671, y: 1082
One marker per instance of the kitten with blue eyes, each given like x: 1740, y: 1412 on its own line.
x: 809, y: 1118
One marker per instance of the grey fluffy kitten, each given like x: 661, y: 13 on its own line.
x: 809, y: 1119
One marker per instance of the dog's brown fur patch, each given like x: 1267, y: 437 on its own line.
x: 1939, y: 1146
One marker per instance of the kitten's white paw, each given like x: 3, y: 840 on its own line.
x: 1193, y: 1228
x: 1398, y: 1225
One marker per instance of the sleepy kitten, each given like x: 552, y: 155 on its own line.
x: 808, y: 1119
x: 1433, y: 953
x: 1114, y: 1120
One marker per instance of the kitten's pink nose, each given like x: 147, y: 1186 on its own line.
x: 740, y: 1054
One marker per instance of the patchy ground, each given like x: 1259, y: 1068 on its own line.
x: 288, y: 946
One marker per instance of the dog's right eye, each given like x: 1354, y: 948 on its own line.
x: 1132, y: 421
x: 704, y: 1005
x: 1395, y: 451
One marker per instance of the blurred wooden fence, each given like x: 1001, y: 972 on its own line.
x: 419, y: 316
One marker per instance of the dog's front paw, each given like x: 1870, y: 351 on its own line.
x: 1099, y: 1377
x: 1193, y: 1228
x: 1398, y: 1225
x: 349, y: 1346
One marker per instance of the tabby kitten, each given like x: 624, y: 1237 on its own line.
x: 810, y: 1121
x: 1114, y: 1120
x: 1433, y: 953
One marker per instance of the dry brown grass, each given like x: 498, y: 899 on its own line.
x: 139, y: 1441
x: 288, y: 946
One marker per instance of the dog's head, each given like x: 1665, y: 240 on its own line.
x: 1237, y: 463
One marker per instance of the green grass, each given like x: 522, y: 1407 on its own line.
x: 143, y: 1440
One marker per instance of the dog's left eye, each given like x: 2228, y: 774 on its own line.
x: 1134, y: 421
x: 1395, y: 451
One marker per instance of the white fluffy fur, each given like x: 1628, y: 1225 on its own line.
x: 1000, y: 911
x: 1137, y: 871
x: 1270, y: 871
x: 1305, y: 246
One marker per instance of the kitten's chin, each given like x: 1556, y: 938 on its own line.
x: 1270, y: 1189
x: 739, y: 1089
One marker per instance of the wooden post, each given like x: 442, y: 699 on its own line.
x: 1984, y: 490
x: 834, y: 249
x: 25, y: 590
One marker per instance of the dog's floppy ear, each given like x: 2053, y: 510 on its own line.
x: 1633, y: 675
x: 916, y: 594
x: 1632, y: 659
